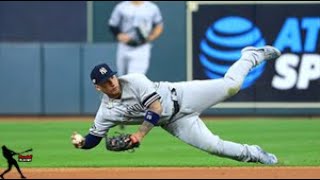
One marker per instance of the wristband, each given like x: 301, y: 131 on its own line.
x: 152, y: 117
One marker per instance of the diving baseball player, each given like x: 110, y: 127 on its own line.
x: 135, y: 24
x: 175, y: 107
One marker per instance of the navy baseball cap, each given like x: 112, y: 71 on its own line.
x: 101, y: 73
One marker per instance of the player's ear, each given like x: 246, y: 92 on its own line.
x: 98, y: 88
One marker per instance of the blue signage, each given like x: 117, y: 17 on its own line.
x: 220, y: 31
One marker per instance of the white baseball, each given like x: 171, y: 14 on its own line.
x: 77, y: 139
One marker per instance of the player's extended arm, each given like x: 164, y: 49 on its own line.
x: 13, y: 153
x: 156, y: 32
x: 88, y: 142
x: 151, y: 118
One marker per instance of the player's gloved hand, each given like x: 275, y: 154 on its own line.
x: 142, y: 37
x: 135, y: 43
x: 142, y: 34
x: 77, y: 140
x: 122, y: 142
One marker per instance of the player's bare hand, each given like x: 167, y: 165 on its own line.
x: 124, y: 38
x: 77, y: 140
x: 136, y: 137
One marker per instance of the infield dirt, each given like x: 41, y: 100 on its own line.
x: 170, y: 173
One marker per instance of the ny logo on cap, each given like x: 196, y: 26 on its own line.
x: 103, y: 70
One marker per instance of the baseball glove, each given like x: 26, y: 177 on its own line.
x: 142, y: 33
x: 134, y: 43
x: 142, y: 36
x: 121, y: 142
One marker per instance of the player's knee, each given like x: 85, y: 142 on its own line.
x: 218, y: 148
x: 233, y: 90
x: 234, y: 86
x: 215, y: 146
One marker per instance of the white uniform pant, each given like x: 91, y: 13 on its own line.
x: 196, y: 96
x: 133, y: 59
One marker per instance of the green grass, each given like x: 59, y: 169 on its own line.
x: 296, y: 142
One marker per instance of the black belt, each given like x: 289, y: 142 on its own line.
x: 176, y: 105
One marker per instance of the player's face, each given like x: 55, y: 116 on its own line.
x: 111, y: 87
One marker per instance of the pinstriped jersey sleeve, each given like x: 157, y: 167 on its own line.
x: 148, y: 100
x: 157, y: 17
x: 115, y: 18
x: 102, y: 123
x: 144, y: 89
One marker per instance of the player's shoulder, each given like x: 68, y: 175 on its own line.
x: 134, y: 80
x: 122, y: 4
x: 131, y: 77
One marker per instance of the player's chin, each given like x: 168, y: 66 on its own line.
x: 116, y: 93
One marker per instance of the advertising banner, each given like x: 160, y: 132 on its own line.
x: 217, y: 31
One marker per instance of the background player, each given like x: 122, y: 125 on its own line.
x: 134, y: 99
x: 8, y: 154
x: 135, y: 24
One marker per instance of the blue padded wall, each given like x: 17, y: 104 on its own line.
x: 20, y: 82
x: 61, y: 78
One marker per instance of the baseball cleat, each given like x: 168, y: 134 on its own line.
x: 262, y: 53
x: 266, y: 158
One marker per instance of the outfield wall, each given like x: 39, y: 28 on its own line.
x: 46, y: 55
x: 53, y: 79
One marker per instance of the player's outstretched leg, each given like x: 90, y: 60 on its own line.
x: 203, y: 94
x: 258, y: 55
x: 265, y: 157
x: 250, y: 57
x: 193, y: 131
x: 244, y: 152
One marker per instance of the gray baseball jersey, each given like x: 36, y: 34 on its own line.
x: 193, y: 97
x: 127, y: 16
x: 138, y: 92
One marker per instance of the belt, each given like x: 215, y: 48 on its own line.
x: 176, y: 105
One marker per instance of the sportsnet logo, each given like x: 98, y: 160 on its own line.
x: 25, y: 158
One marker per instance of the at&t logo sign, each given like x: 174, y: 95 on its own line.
x: 298, y: 40
x: 301, y: 65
